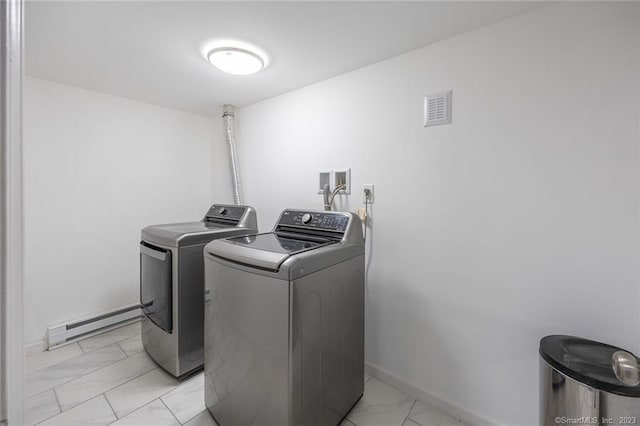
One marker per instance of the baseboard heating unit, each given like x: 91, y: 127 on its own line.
x: 64, y: 333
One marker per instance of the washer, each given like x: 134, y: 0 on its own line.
x: 172, y: 284
x: 284, y: 322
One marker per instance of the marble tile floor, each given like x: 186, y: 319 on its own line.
x: 109, y: 379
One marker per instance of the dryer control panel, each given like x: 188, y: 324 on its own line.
x: 223, y: 213
x: 327, y: 221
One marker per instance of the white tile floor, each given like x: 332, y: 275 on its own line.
x: 109, y: 379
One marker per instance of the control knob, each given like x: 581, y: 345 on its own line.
x: 306, y: 218
x: 222, y: 211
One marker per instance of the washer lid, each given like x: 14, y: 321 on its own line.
x: 586, y: 361
x: 267, y: 251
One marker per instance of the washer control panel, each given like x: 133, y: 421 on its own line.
x: 330, y: 221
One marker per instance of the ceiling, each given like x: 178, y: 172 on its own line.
x: 152, y: 50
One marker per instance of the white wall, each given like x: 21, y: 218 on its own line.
x: 97, y: 170
x: 517, y: 221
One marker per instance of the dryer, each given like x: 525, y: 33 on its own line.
x: 172, y: 284
x: 284, y: 322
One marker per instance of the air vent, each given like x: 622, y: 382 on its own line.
x: 437, y: 109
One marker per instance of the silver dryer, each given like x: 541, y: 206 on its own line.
x: 172, y: 284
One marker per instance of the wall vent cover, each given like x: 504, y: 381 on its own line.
x: 437, y: 109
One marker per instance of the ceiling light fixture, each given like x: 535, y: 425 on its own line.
x: 235, y: 60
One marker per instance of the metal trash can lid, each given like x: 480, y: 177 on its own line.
x: 591, y: 363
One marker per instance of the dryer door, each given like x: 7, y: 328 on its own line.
x: 155, y: 285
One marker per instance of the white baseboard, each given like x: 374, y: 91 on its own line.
x: 96, y: 332
x: 42, y: 346
x: 417, y: 393
x: 62, y: 334
x: 35, y: 347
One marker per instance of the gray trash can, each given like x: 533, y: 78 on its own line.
x: 588, y: 383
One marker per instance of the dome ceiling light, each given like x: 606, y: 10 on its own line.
x: 234, y: 60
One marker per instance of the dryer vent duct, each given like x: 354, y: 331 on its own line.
x: 228, y: 115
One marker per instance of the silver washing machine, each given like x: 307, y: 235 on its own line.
x: 284, y: 322
x: 172, y: 284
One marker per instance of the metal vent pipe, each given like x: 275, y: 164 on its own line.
x: 228, y: 116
